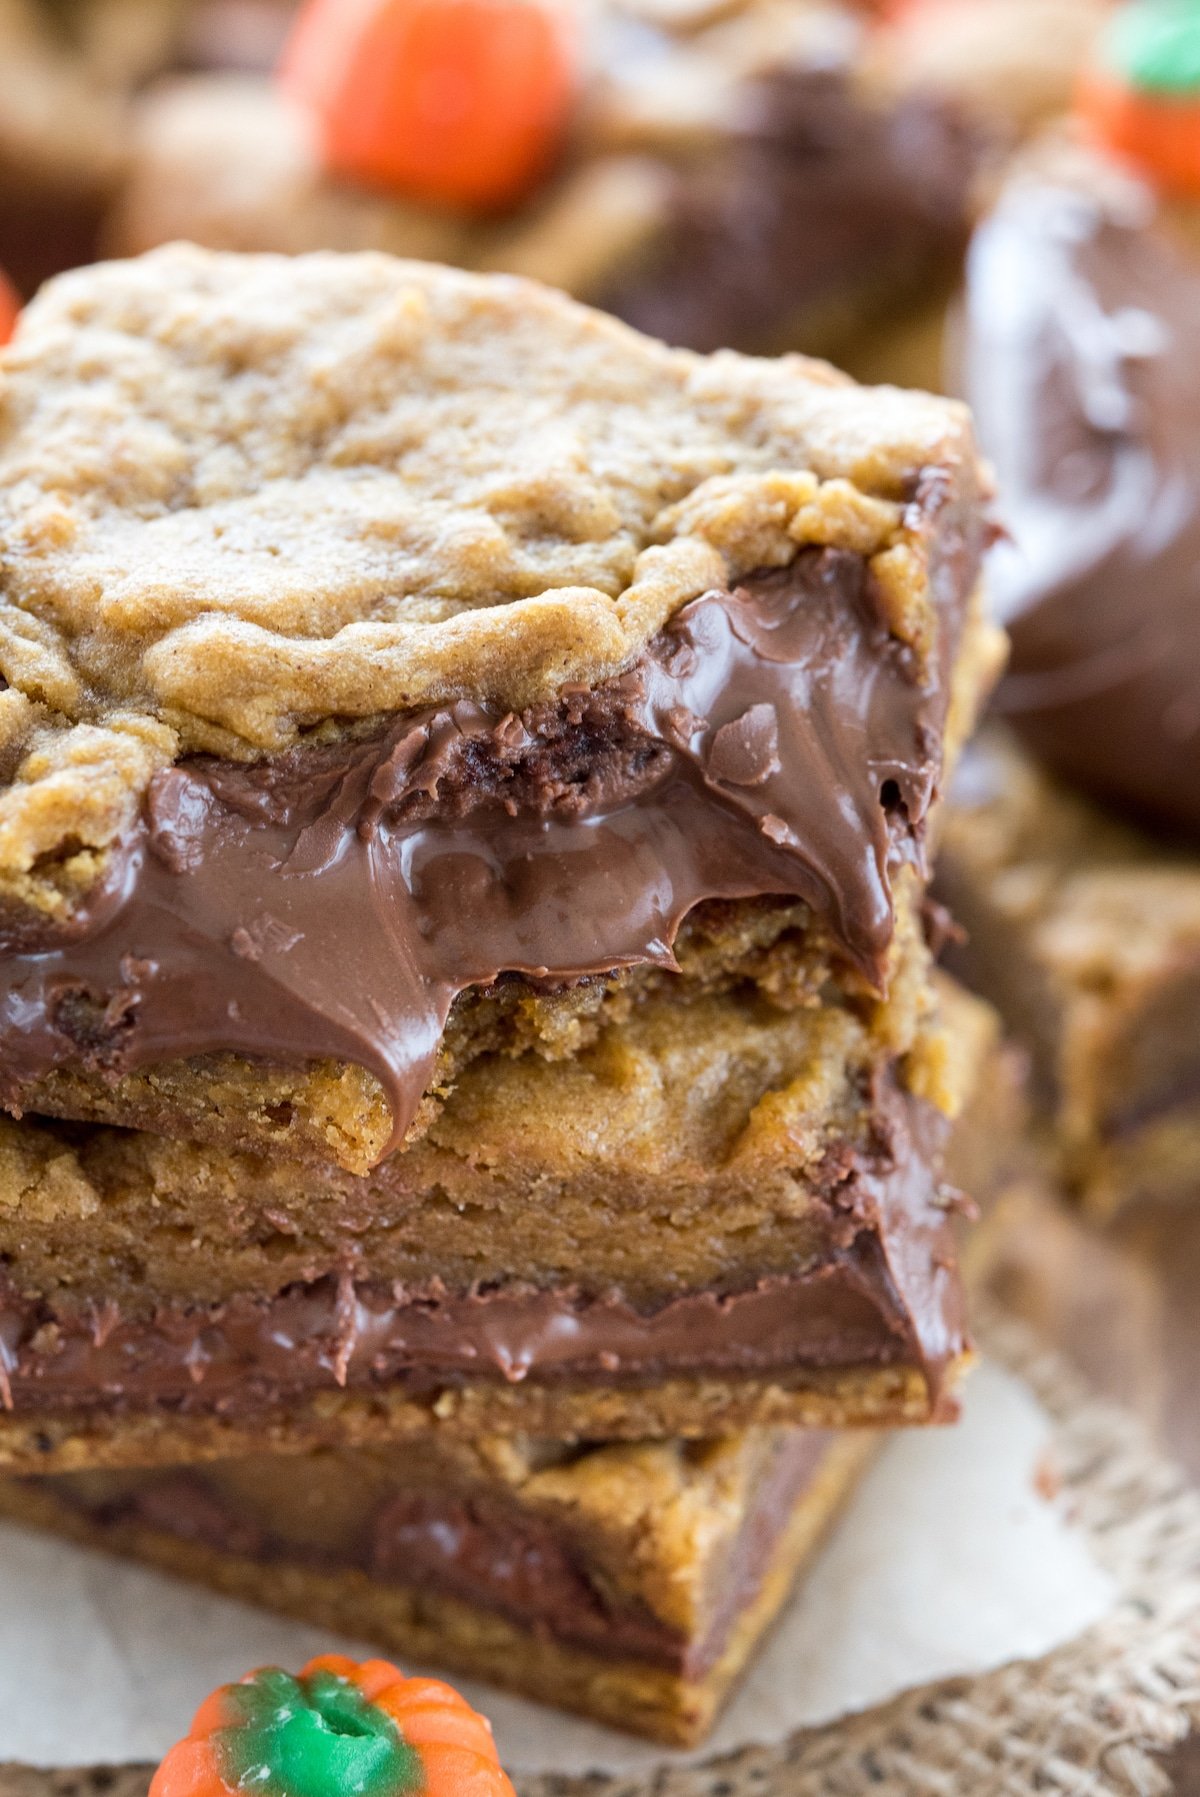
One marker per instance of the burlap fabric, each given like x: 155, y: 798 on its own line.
x: 1091, y: 1719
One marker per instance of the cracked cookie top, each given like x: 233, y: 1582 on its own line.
x: 246, y: 499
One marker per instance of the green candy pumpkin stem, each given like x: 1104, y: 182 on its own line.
x: 313, y: 1736
x: 1154, y: 46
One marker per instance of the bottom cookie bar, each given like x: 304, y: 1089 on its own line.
x: 630, y: 1583
x: 1086, y: 935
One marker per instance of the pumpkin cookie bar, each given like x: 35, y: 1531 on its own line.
x: 717, y: 1215
x: 1085, y: 932
x: 629, y: 1583
x: 403, y: 666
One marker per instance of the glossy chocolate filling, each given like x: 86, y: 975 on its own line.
x: 883, y: 1293
x: 1083, y: 369
x: 810, y: 201
x: 473, y: 1546
x: 333, y: 902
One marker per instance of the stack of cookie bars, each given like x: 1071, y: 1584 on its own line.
x: 478, y: 1093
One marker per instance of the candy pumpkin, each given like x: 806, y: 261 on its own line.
x: 10, y: 308
x: 340, y: 1728
x: 1141, y: 94
x: 458, y: 102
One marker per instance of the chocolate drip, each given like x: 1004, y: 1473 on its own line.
x: 332, y: 903
x: 1083, y: 368
x: 882, y: 1292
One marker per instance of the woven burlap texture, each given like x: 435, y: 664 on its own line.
x: 1089, y: 1720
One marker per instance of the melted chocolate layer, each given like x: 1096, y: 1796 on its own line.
x: 471, y: 1545
x: 1083, y: 368
x: 885, y: 1292
x: 333, y: 902
x: 811, y: 194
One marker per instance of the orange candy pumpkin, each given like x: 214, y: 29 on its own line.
x: 340, y: 1728
x: 1141, y: 94
x: 458, y: 102
x: 1159, y: 132
x: 10, y: 308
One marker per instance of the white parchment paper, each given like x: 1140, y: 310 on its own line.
x: 949, y: 1561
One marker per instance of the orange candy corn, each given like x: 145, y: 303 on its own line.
x: 458, y: 102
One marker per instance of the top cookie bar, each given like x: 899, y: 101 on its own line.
x: 373, y: 631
